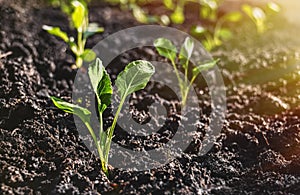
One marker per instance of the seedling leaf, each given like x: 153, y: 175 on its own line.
x: 177, y: 16
x: 88, y: 55
x: 248, y: 10
x: 224, y: 34
x: 198, y: 30
x: 186, y: 51
x: 96, y: 71
x: 258, y: 13
x: 139, y: 14
x: 274, y: 7
x: 104, y: 92
x: 56, y: 31
x: 165, y: 48
x: 101, y: 84
x: 78, y: 15
x: 233, y: 17
x: 204, y: 66
x: 169, y: 4
x: 92, y: 29
x: 82, y: 113
x: 135, y: 77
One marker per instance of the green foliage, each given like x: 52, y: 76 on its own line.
x: 56, y: 31
x: 65, y: 5
x: 79, y: 20
x: 259, y: 16
x: 135, y: 77
x: 82, y: 113
x: 204, y: 66
x: 168, y: 50
x: 215, y: 31
x: 217, y: 34
x: 209, y: 9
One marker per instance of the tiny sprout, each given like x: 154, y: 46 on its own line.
x: 259, y: 16
x: 215, y: 36
x: 79, y: 20
x: 166, y: 49
x: 134, y: 77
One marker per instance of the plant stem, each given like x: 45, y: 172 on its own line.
x: 112, y: 128
x: 80, y: 46
x: 100, y: 152
x: 178, y: 77
x: 101, y: 132
x: 187, y: 90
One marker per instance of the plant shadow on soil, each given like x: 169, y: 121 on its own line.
x: 40, y: 148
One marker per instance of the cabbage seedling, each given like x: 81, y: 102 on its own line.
x: 219, y: 33
x: 168, y: 50
x: 79, y: 20
x: 135, y: 77
x: 258, y: 16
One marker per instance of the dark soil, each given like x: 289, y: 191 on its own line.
x: 40, y: 149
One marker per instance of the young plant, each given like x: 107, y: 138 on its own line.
x: 209, y: 9
x: 79, y: 20
x: 218, y: 34
x: 168, y: 50
x: 65, y: 5
x: 258, y: 16
x: 134, y: 77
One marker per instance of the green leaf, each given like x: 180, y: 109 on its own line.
x: 135, y: 77
x: 204, y: 66
x: 83, y: 113
x: 177, y: 16
x: 224, y: 34
x: 165, y: 48
x: 274, y: 7
x: 96, y: 71
x: 101, y: 84
x: 198, y: 30
x: 92, y: 29
x: 233, y: 17
x: 88, y: 55
x: 248, y: 10
x: 186, y: 51
x: 104, y: 92
x: 79, y: 15
x: 258, y: 14
x: 56, y: 31
x: 139, y: 14
x: 212, y: 4
x: 169, y: 4
x: 205, y: 12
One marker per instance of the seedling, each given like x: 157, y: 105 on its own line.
x: 258, y: 16
x: 218, y: 34
x: 79, y: 20
x: 209, y: 9
x: 65, y: 5
x: 135, y: 77
x: 168, y: 50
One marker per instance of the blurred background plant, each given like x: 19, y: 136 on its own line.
x: 65, y: 5
x: 79, y: 20
x: 215, y: 26
x: 260, y: 16
x: 212, y: 24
